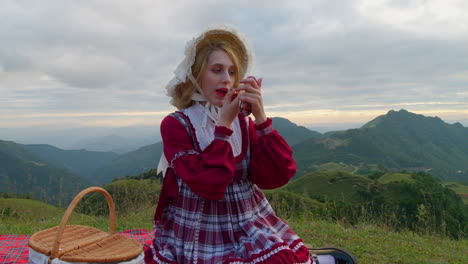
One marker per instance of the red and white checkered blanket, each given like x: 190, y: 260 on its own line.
x: 14, y: 248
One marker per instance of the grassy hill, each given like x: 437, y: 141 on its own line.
x: 332, y: 166
x: 331, y: 185
x: 292, y: 204
x: 395, y: 177
x: 25, y: 216
x: 23, y: 172
x: 359, y: 169
x: 129, y: 195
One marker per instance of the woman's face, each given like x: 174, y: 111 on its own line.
x: 218, y: 77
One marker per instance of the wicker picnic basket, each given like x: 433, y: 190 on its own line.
x: 76, y: 243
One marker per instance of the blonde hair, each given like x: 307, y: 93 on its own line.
x: 182, y: 97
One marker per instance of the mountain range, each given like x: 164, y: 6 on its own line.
x: 112, y: 143
x: 398, y: 140
x: 83, y: 162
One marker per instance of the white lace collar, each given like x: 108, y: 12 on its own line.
x: 205, y: 132
x: 204, y: 125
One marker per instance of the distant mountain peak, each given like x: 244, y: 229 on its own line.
x: 291, y: 132
x: 401, y: 111
x: 402, y: 117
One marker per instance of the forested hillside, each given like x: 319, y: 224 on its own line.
x: 82, y: 162
x: 401, y: 200
x: 23, y: 172
x: 132, y: 163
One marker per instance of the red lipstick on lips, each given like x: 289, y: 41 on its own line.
x: 222, y: 91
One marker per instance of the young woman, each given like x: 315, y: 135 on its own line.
x: 216, y: 160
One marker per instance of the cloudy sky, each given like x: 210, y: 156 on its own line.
x: 325, y: 63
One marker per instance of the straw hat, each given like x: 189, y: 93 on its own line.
x: 183, y: 72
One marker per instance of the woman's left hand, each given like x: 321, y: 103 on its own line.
x: 250, y: 92
x: 229, y: 109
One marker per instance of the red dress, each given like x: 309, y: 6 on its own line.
x: 211, y: 208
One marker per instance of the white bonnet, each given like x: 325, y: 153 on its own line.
x: 183, y: 72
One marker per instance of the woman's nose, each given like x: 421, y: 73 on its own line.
x: 226, y: 77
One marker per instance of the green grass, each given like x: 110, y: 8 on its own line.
x: 292, y: 204
x: 25, y: 217
x: 391, y: 177
x: 334, y: 185
x: 370, y: 243
x: 336, y: 166
x: 359, y: 169
x: 373, y: 244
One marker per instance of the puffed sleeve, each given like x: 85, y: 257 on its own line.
x: 208, y: 172
x: 272, y: 164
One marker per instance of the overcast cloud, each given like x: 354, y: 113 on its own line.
x: 336, y: 63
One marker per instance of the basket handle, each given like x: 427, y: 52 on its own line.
x: 71, y: 207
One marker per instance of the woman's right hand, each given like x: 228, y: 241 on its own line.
x: 229, y: 109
